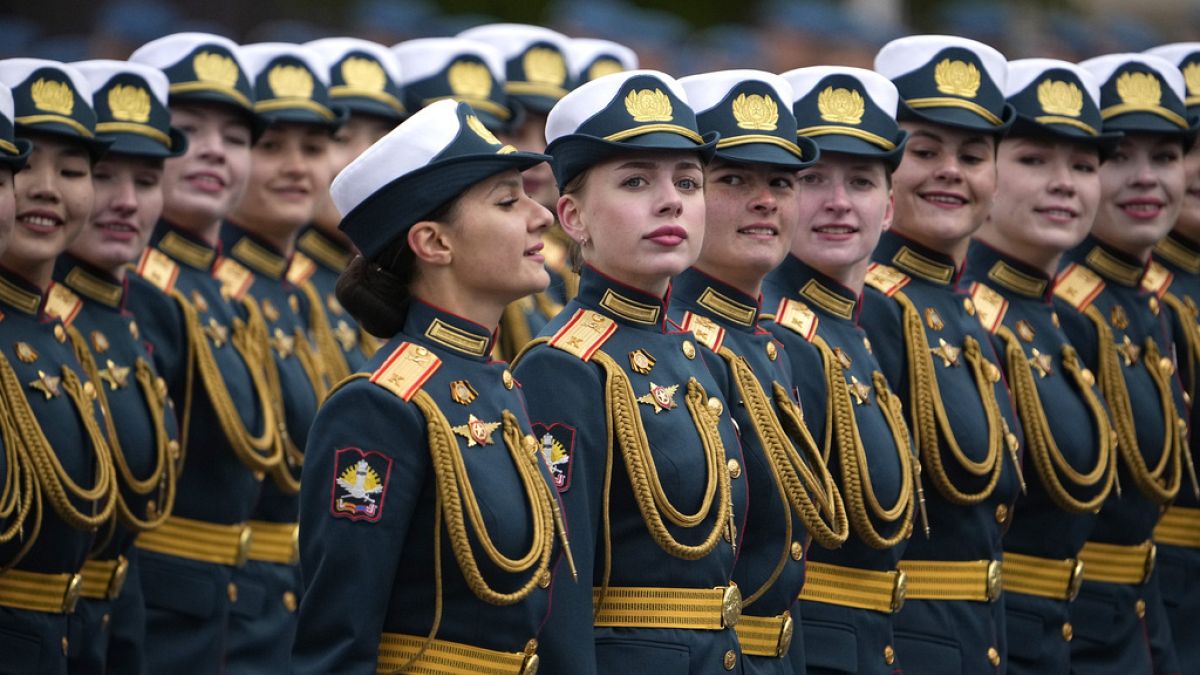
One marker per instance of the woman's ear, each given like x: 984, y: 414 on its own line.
x: 429, y: 244
x: 569, y: 217
x: 889, y: 214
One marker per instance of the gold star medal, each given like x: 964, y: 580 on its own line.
x: 25, y: 352
x: 199, y: 302
x: 948, y: 353
x: 1118, y: 317
x: 1043, y: 363
x: 284, y: 344
x: 476, y: 431
x: 462, y: 392
x: 346, y: 336
x: 933, y: 319
x: 640, y: 361
x: 1025, y: 331
x: 47, y: 384
x: 860, y: 391
x: 116, y: 376
x: 659, y: 398
x: 216, y: 332
x: 1129, y: 351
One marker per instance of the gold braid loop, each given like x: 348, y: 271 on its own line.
x: 21, y: 493
x: 284, y: 473
x: 1188, y: 317
x: 1039, y: 438
x: 328, y: 349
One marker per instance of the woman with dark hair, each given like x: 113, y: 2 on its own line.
x: 426, y: 454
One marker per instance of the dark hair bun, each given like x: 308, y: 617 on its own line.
x: 377, y: 298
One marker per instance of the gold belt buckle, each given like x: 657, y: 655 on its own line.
x: 785, y: 635
x: 1076, y: 580
x: 1151, y: 556
x: 995, y: 580
x: 899, y: 590
x: 731, y: 606
x: 71, y: 595
x: 117, y: 581
x: 529, y: 666
x: 245, y: 537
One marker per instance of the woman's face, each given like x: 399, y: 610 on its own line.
x: 751, y: 212
x: 201, y: 187
x: 845, y: 205
x: 640, y: 217
x: 1047, y: 196
x: 944, y: 185
x: 128, y: 201
x: 1189, y: 216
x: 495, y: 239
x: 53, y: 201
x: 1142, y: 189
x: 349, y: 141
x: 289, y: 171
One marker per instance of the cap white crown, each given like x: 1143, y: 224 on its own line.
x: 15, y: 71
x: 99, y: 71
x: 581, y: 52
x: 7, y: 108
x: 1022, y: 73
x: 904, y: 55
x: 334, y: 49
x: 584, y: 101
x: 1103, y: 67
x: 879, y: 88
x: 171, y: 49
x: 1175, y: 52
x: 513, y: 38
x: 257, y: 56
x: 706, y: 90
x: 425, y: 57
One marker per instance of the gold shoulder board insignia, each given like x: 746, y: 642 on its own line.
x: 1157, y: 279
x: 584, y: 334
x: 62, y: 303
x: 798, y: 317
x: 301, y: 268
x: 158, y: 268
x: 406, y: 370
x: 706, y: 331
x: 1078, y: 286
x: 990, y: 306
x: 234, y: 277
x: 886, y: 279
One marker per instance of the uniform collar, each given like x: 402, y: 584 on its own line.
x: 720, y: 301
x: 817, y: 289
x: 324, y: 250
x: 988, y: 265
x: 1179, y: 251
x: 253, y: 252
x: 19, y: 294
x: 89, y: 281
x: 1109, y: 263
x: 183, y: 247
x: 441, y: 329
x: 914, y: 259
x: 624, y: 303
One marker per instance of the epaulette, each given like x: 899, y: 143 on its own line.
x: 707, y: 332
x: 406, y: 370
x: 159, y: 269
x: 990, y: 306
x: 886, y: 279
x: 235, y: 278
x: 1157, y: 279
x: 584, y: 333
x: 301, y: 268
x: 1078, y: 286
x: 798, y: 317
x: 62, y: 303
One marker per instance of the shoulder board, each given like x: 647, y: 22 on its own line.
x: 584, y: 333
x: 705, y: 330
x: 990, y: 306
x: 798, y: 317
x: 158, y: 268
x: 1157, y: 279
x: 62, y: 303
x: 234, y: 277
x: 1078, y: 286
x: 886, y: 279
x: 406, y: 370
x: 300, y: 269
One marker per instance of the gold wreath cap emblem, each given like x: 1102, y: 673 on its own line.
x: 290, y: 81
x: 215, y: 68
x: 53, y: 96
x: 129, y: 103
x: 605, y: 66
x: 477, y: 126
x: 957, y: 78
x: 1191, y: 75
x: 756, y: 112
x: 1139, y: 89
x: 470, y: 79
x: 363, y: 73
x: 545, y: 65
x: 646, y: 105
x: 843, y: 106
x: 1060, y: 98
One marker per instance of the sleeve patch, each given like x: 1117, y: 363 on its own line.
x: 359, y: 484
x: 557, y: 441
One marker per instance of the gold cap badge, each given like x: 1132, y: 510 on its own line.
x: 1140, y: 89
x: 545, y: 66
x: 1060, y: 98
x: 604, y: 67
x: 844, y: 106
x: 287, y: 81
x: 53, y: 96
x: 755, y: 112
x: 649, y: 106
x: 482, y: 131
x: 957, y: 78
x: 215, y: 68
x: 1191, y: 75
x: 129, y: 103
x: 363, y: 73
x: 471, y: 79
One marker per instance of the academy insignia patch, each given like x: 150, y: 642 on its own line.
x: 359, y: 484
x: 557, y: 442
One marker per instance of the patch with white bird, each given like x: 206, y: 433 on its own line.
x: 359, y: 484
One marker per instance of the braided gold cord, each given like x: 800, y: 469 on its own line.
x: 20, y: 494
x: 1188, y: 321
x: 328, y: 349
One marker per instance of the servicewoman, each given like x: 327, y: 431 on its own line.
x: 638, y: 437
x: 190, y: 302
x: 1113, y: 316
x: 130, y: 99
x: 852, y: 592
x: 1178, y: 532
x: 362, y: 78
x: 1047, y: 197
x: 53, y: 423
x: 937, y: 356
x: 427, y: 510
x: 289, y: 168
x: 751, y: 205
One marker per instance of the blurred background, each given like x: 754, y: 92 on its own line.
x: 678, y: 37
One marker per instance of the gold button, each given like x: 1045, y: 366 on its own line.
x: 289, y: 601
x: 867, y: 345
x: 735, y: 469
x: 889, y: 655
x: 1088, y: 377
x: 104, y: 621
x: 772, y: 351
x: 507, y: 378
x: 1001, y: 513
x: 133, y: 329
x: 689, y: 349
x: 89, y: 390
x: 1139, y: 608
x: 1068, y: 631
x: 231, y: 591
x: 64, y: 645
x: 969, y: 306
x: 1054, y: 320
x: 259, y: 476
x: 1153, y: 305
x: 60, y: 333
x: 993, y: 656
x: 544, y: 580
x: 797, y: 551
x: 715, y: 405
x: 730, y: 659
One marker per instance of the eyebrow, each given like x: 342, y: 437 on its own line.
x: 509, y: 183
x: 928, y: 134
x: 638, y: 164
x: 688, y: 165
